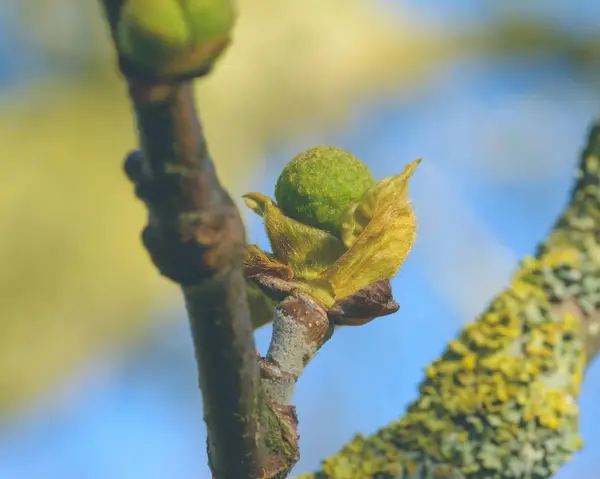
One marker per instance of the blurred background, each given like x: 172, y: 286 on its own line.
x: 97, y: 376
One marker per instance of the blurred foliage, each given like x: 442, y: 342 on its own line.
x: 513, y: 35
x: 74, y: 275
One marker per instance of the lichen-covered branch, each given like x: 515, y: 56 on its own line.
x: 501, y: 402
x: 577, y: 288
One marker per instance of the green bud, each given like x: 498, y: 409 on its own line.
x: 174, y: 37
x: 317, y: 185
x: 322, y: 191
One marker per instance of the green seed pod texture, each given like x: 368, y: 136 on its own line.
x: 173, y: 36
x: 317, y: 185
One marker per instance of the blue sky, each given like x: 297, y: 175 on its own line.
x: 137, y: 414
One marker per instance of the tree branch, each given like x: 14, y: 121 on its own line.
x: 501, y: 400
x: 196, y: 238
x: 300, y: 327
x: 578, y: 288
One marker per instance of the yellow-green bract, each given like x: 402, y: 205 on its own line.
x: 339, y: 234
x: 174, y: 37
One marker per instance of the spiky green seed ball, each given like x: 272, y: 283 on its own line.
x: 174, y: 37
x: 317, y: 185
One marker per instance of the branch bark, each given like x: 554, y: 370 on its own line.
x: 196, y: 238
x: 501, y: 400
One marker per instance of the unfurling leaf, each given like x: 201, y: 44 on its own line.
x: 380, y: 230
x: 339, y: 240
x: 256, y: 202
x: 356, y: 217
x: 257, y: 261
x: 307, y: 250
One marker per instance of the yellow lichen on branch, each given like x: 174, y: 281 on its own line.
x: 501, y: 402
